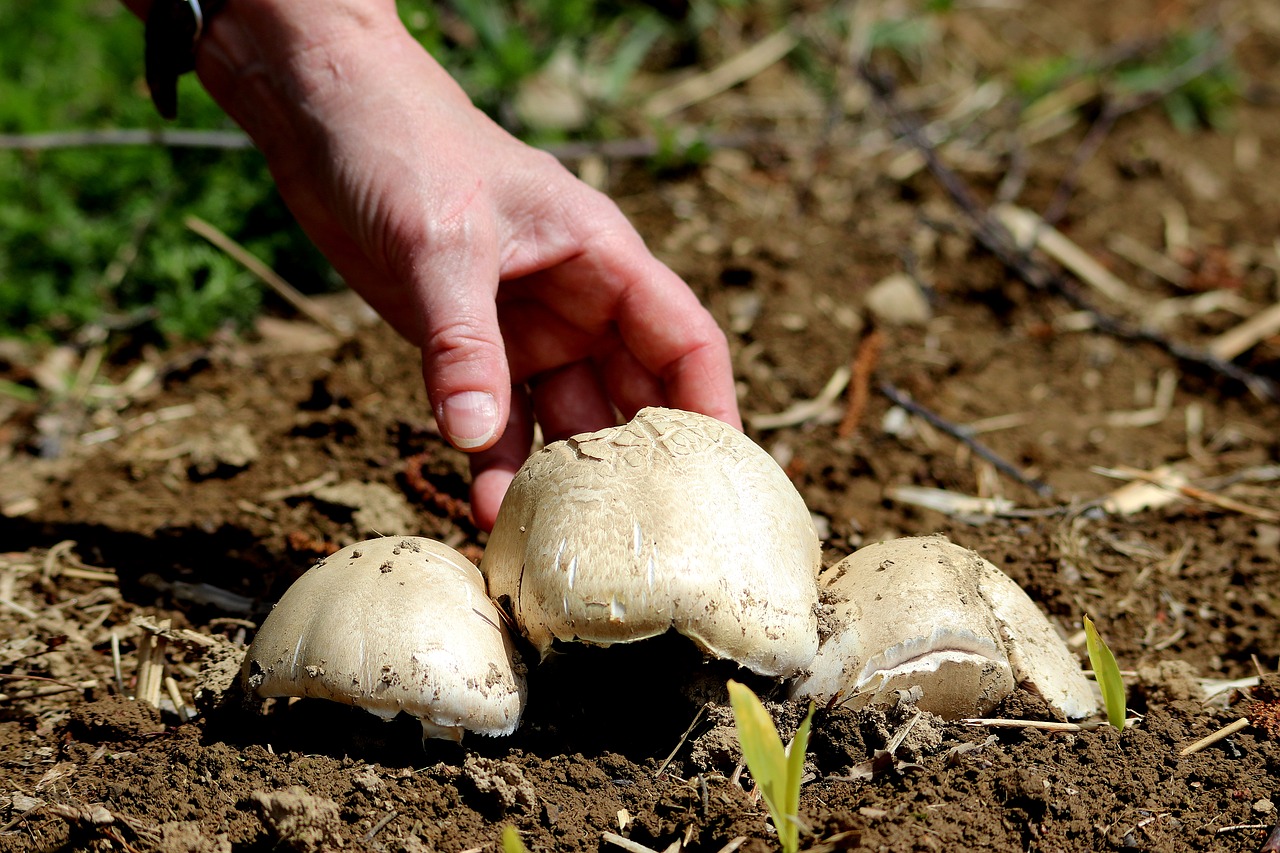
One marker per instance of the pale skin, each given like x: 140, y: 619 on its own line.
x: 529, y: 294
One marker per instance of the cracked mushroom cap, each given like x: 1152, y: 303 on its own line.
x: 926, y: 613
x: 389, y: 625
x: 674, y: 520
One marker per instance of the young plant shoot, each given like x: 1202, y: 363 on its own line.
x: 1107, y: 673
x: 777, y: 771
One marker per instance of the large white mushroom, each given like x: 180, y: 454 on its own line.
x: 924, y: 612
x: 674, y: 520
x: 389, y: 625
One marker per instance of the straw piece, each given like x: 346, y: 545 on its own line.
x: 1221, y: 734
x: 728, y: 74
x: 1028, y: 228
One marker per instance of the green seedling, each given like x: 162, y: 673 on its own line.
x: 1107, y: 673
x: 777, y: 771
x: 511, y: 842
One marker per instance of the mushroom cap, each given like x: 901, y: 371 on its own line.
x: 395, y: 624
x: 924, y: 612
x: 674, y: 520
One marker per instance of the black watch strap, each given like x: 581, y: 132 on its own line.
x: 173, y: 29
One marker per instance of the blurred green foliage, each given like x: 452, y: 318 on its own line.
x: 1191, y: 100
x: 95, y: 234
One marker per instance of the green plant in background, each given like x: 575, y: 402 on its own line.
x: 1107, y: 673
x: 777, y: 770
x: 511, y: 841
x: 1190, y: 71
x: 95, y: 234
x: 1194, y: 99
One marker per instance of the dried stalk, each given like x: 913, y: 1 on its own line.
x: 992, y: 234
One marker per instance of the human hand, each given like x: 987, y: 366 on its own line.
x: 501, y: 266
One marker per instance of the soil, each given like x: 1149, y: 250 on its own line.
x: 193, y: 485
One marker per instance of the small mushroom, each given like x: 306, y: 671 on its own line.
x: 674, y: 520
x: 389, y: 625
x: 926, y: 613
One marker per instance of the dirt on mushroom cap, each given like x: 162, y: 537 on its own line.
x: 674, y: 520
x: 389, y: 625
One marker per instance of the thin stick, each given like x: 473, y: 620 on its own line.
x: 380, y: 825
x: 229, y: 139
x: 1030, y: 230
x: 1043, y: 725
x: 1245, y: 336
x: 997, y: 239
x: 269, y: 276
x: 1208, y: 741
x: 724, y: 76
x: 626, y: 843
x: 115, y: 662
x: 864, y: 364
x: 684, y: 737
x: 140, y: 687
x: 179, y: 707
x: 959, y: 433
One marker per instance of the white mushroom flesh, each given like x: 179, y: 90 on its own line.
x: 674, y: 520
x: 927, y: 615
x: 395, y: 624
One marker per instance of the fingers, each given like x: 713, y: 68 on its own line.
x: 614, y: 287
x: 493, y: 469
x: 571, y: 400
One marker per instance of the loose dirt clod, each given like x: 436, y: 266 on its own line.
x: 299, y: 820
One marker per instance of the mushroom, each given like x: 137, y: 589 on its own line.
x: 674, y: 520
x: 389, y: 625
x: 924, y: 612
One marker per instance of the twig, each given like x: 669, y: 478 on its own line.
x: 864, y: 364
x: 1245, y: 336
x: 997, y: 239
x: 959, y: 433
x: 269, y: 276
x: 1222, y: 733
x: 1154, y: 262
x: 115, y: 662
x: 175, y: 696
x: 1030, y: 230
x: 626, y: 843
x: 301, y: 489
x: 684, y: 737
x: 228, y: 139
x: 806, y: 409
x: 724, y: 76
x: 1043, y: 725
x: 1189, y: 491
x: 733, y: 845
x: 380, y: 825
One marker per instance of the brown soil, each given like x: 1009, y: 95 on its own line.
x: 209, y: 500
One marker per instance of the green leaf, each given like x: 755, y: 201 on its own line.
x: 511, y: 842
x: 795, y: 771
x: 777, y: 771
x: 1107, y: 673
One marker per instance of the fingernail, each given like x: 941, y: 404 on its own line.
x: 468, y: 418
